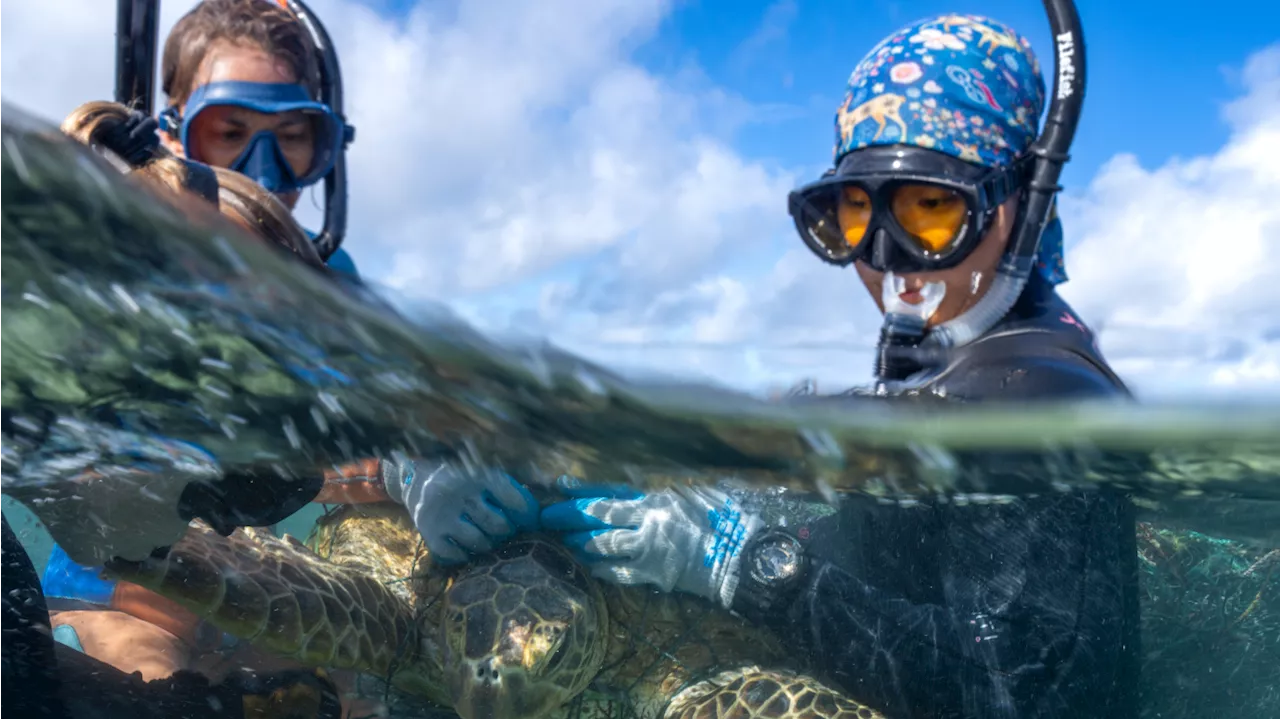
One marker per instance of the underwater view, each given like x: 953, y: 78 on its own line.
x: 242, y: 480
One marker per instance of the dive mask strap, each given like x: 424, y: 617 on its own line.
x: 170, y: 121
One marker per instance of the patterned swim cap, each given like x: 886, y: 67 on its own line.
x: 964, y: 85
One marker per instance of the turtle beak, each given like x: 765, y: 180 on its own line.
x: 486, y: 689
x: 479, y: 690
x: 511, y: 683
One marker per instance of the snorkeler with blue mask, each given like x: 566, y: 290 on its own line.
x: 264, y: 103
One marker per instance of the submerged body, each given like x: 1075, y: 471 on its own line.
x: 521, y: 632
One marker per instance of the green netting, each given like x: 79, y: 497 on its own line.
x: 1210, y: 627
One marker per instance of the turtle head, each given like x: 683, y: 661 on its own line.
x: 523, y: 633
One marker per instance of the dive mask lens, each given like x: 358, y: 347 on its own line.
x: 815, y: 213
x: 899, y: 208
x: 836, y: 218
x: 931, y: 216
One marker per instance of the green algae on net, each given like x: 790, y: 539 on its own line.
x: 120, y: 317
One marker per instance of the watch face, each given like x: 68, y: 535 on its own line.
x: 776, y: 560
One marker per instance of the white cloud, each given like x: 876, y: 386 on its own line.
x: 513, y: 158
x: 1180, y: 265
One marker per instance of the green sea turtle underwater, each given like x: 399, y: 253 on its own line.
x: 522, y: 632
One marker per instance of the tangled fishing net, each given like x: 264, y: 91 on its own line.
x: 1210, y: 626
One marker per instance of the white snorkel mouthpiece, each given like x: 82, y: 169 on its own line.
x: 910, y: 313
x: 904, y: 325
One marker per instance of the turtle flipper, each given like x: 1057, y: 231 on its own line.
x: 755, y: 693
x: 280, y: 596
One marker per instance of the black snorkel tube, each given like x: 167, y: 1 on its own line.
x: 1050, y: 152
x: 137, y: 32
x: 137, y: 42
x: 335, y: 183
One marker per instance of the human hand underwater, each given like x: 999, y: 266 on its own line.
x: 689, y: 539
x: 459, y: 511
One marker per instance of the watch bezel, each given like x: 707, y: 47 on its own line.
x: 761, y: 543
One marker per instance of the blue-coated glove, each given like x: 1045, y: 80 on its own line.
x: 687, y: 539
x: 458, y: 510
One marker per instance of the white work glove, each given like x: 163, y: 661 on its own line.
x: 459, y: 511
x: 688, y: 539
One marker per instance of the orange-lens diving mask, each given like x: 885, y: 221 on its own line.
x: 901, y: 209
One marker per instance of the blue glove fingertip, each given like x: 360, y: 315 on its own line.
x: 572, y: 516
x: 66, y: 634
x: 527, y: 518
x: 577, y: 543
x: 444, y: 560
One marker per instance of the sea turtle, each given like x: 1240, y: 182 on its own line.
x: 523, y: 632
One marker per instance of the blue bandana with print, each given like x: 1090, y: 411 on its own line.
x: 963, y: 85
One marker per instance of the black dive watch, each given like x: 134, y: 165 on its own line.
x: 773, y: 568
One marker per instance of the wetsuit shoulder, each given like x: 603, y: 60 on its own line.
x: 1041, y: 350
x: 1029, y: 365
x: 340, y: 261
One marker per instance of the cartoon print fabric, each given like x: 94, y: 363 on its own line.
x: 965, y: 85
x: 960, y: 84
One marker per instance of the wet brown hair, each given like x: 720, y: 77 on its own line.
x: 239, y: 198
x: 249, y: 23
x: 256, y: 209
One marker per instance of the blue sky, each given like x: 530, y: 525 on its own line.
x: 1147, y: 58
x: 768, y: 76
x: 1160, y: 74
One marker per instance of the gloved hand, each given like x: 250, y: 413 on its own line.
x: 689, y: 539
x: 458, y: 511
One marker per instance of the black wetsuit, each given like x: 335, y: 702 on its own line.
x: 1027, y: 609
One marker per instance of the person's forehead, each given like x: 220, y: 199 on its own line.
x: 230, y: 62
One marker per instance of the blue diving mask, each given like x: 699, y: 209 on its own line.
x: 262, y: 159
